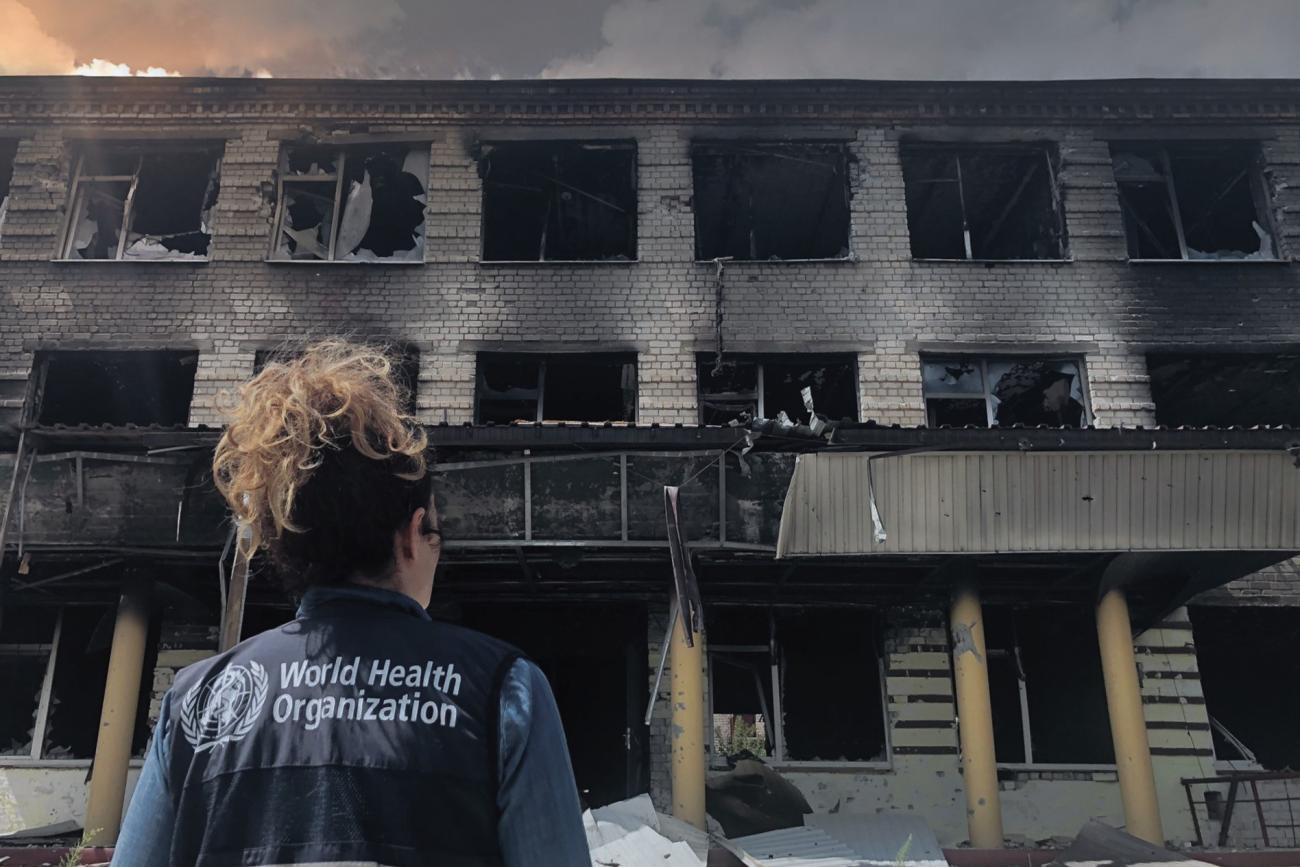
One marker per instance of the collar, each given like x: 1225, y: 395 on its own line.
x: 351, y: 594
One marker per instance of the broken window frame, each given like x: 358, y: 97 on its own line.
x: 541, y: 358
x: 284, y: 176
x: 990, y: 400
x: 775, y: 727
x: 1253, y: 171
x: 83, y: 183
x: 41, y: 371
x: 957, y: 151
x: 41, y: 721
x: 8, y: 156
x: 704, y: 359
x: 631, y: 209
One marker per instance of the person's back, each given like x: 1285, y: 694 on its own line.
x: 361, y: 732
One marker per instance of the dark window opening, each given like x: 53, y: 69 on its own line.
x: 355, y: 204
x: 1003, y: 392
x: 1249, y: 660
x: 740, y: 684
x: 1225, y: 390
x: 983, y: 202
x: 766, y: 386
x: 1045, y: 681
x: 406, y: 368
x: 761, y: 201
x: 587, y: 387
x: 26, y: 641
x: 117, y: 388
x: 138, y: 204
x: 559, y: 201
x: 8, y: 151
x: 1193, y: 202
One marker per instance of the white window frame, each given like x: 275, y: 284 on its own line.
x: 542, y: 358
x: 982, y: 361
x: 47, y: 688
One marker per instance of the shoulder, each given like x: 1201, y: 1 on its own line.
x: 472, y: 638
x: 198, y: 672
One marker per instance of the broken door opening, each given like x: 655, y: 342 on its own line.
x: 1224, y: 390
x: 557, y: 201
x: 983, y: 202
x: 580, y: 387
x: 143, y: 202
x: 772, y: 386
x: 988, y: 392
x: 354, y: 204
x: 764, y: 201
x: 1194, y: 201
x: 8, y: 151
x: 117, y: 387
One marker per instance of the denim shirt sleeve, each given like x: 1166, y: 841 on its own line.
x: 541, y: 818
x: 146, y: 836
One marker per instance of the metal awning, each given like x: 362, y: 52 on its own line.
x: 1013, y: 502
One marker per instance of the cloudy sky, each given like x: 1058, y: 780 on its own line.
x: 922, y: 39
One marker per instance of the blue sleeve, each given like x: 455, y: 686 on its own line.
x: 146, y: 836
x: 541, y: 818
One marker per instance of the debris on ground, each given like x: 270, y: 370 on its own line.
x: 1100, y: 844
x: 752, y: 798
x: 632, y: 833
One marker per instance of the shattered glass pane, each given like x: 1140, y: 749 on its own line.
x: 833, y: 384
x: 308, y: 220
x: 1217, y: 204
x: 169, y: 213
x: 952, y: 376
x: 1033, y: 392
x: 727, y: 391
x: 385, y: 205
x: 97, y: 220
x: 507, y: 389
x: 311, y: 160
x: 8, y: 150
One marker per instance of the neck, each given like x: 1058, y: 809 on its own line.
x: 421, y: 590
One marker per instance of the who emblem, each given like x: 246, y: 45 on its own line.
x: 225, y: 708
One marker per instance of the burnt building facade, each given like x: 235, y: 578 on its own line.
x: 947, y: 375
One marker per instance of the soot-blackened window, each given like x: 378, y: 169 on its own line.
x: 1194, y: 201
x: 404, y: 357
x: 356, y: 204
x: 115, y: 388
x: 143, y: 202
x: 766, y: 386
x: 1224, y: 390
x: 580, y: 387
x: 559, y: 201
x: 983, y: 202
x: 759, y: 201
x: 8, y: 150
x: 984, y: 392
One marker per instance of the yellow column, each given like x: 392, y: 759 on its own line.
x: 117, y: 716
x: 687, y: 731
x: 975, y: 720
x: 1128, y: 727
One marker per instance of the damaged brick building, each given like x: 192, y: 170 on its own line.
x: 919, y: 358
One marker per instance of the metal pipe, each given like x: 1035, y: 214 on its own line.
x: 975, y: 719
x: 687, y: 730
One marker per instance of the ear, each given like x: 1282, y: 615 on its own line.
x: 410, y: 534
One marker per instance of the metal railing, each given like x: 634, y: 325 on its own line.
x: 1245, y: 786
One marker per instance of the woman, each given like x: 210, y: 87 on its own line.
x: 361, y: 732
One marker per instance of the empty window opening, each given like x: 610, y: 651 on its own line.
x: 795, y: 685
x: 760, y: 201
x: 142, y: 203
x: 116, y: 388
x: 405, y: 359
x: 355, y: 204
x: 1045, y: 681
x: 1225, y: 390
x: 1193, y: 202
x: 983, y: 202
x: 8, y: 151
x: 559, y: 201
x: 589, y: 387
x: 988, y: 392
x: 768, y: 386
x: 1249, y: 661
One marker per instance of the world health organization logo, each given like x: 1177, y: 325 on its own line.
x: 225, y: 708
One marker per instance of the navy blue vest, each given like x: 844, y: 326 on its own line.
x: 360, y: 732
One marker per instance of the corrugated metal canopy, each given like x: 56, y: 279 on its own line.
x: 1011, y: 502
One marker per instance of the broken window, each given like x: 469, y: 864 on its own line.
x: 983, y: 202
x: 587, y: 387
x: 139, y: 203
x: 117, y: 388
x: 1045, y: 682
x: 769, y: 386
x: 775, y: 676
x: 549, y: 201
x: 8, y: 150
x: 26, y: 645
x: 406, y: 368
x: 1249, y: 660
x: 759, y: 201
x: 988, y: 392
x: 354, y: 204
x: 1193, y: 201
x: 1225, y: 390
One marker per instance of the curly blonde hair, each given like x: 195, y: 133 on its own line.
x: 307, y: 418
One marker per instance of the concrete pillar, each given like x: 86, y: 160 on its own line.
x: 687, y: 731
x: 1128, y: 727
x: 975, y: 719
x: 117, y: 716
